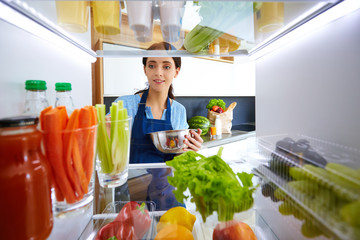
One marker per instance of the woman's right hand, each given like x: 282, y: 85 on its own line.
x: 193, y: 141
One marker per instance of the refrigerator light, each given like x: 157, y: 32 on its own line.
x: 17, y: 19
x: 338, y: 11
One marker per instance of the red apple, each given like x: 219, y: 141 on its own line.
x: 233, y: 230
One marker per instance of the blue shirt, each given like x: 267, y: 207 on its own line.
x: 178, y: 111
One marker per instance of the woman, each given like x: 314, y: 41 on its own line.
x: 154, y: 109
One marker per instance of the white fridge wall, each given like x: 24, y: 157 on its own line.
x: 24, y: 56
x: 312, y: 86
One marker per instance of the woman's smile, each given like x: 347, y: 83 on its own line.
x: 159, y: 81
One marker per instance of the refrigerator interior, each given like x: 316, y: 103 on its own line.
x: 309, y: 86
x: 25, y: 56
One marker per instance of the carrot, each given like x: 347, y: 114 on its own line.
x: 58, y: 194
x: 91, y: 154
x: 84, y: 134
x: 45, y: 110
x: 68, y: 147
x: 79, y: 167
x: 87, y: 120
x: 64, y: 116
x: 53, y: 143
x: 94, y: 116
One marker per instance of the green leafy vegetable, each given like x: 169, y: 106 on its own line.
x: 212, y: 183
x: 217, y: 18
x: 216, y: 102
x: 112, y: 238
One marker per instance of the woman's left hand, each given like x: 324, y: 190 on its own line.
x: 193, y: 141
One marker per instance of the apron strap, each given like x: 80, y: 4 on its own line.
x: 142, y: 105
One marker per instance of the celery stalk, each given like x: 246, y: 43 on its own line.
x: 124, y: 135
x: 200, y: 37
x: 113, y: 114
x: 114, y: 150
x: 217, y: 17
x: 103, y: 140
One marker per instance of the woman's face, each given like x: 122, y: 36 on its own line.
x: 160, y: 72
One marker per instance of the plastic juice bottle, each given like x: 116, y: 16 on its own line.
x: 63, y: 96
x: 218, y: 126
x: 35, y: 98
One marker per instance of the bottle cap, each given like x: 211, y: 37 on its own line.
x: 19, y: 121
x: 62, y: 86
x: 35, y: 85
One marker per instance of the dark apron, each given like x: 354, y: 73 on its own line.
x: 142, y: 150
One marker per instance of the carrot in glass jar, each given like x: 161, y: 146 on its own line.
x: 52, y: 121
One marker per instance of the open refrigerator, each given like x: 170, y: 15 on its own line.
x: 307, y: 82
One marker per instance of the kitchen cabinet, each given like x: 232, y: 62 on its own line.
x: 310, y: 85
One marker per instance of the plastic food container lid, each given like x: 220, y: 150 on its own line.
x: 62, y: 86
x: 19, y: 121
x: 35, y: 85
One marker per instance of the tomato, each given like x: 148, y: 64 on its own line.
x: 233, y: 230
x: 137, y: 216
x: 214, y: 108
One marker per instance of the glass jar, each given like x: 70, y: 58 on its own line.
x: 25, y: 181
x: 35, y: 98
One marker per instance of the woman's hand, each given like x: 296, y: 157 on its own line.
x: 193, y: 141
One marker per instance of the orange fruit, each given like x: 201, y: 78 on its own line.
x: 177, y: 215
x: 227, y: 43
x: 174, y: 232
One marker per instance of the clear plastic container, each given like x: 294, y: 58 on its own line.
x: 313, y: 182
x: 110, y: 212
x: 63, y: 96
x: 171, y: 15
x: 107, y: 17
x: 73, y: 16
x: 35, y: 98
x: 140, y: 15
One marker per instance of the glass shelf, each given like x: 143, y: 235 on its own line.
x: 201, y: 28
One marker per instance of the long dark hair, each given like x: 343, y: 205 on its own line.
x: 177, y: 61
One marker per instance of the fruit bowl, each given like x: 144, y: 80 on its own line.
x: 170, y: 141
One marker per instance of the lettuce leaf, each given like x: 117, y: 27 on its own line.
x: 212, y: 183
